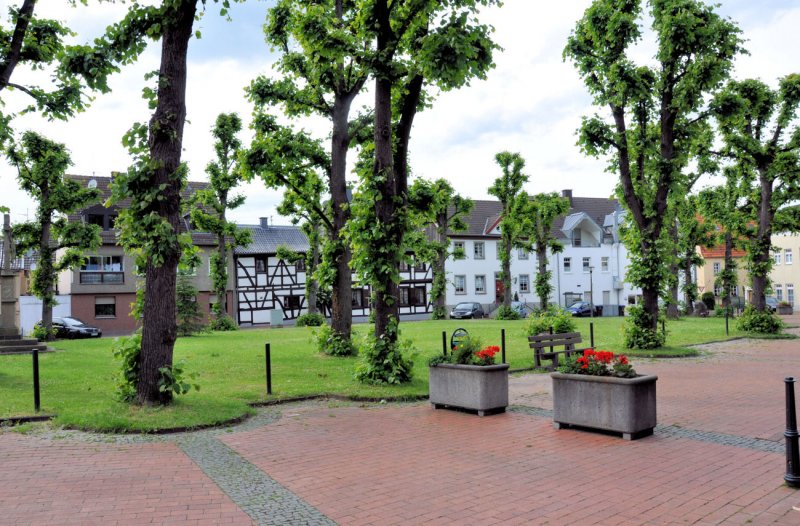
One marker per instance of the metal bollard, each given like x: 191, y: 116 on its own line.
x: 591, y: 335
x: 792, y: 476
x: 269, y: 369
x: 36, y: 399
x: 444, y: 343
x: 503, y: 344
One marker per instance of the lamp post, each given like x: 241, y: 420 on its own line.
x: 591, y: 292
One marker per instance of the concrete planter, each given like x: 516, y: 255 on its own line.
x: 785, y: 309
x: 481, y: 388
x: 622, y: 405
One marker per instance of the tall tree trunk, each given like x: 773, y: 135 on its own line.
x: 439, y: 270
x: 541, y: 261
x: 726, y: 283
x: 165, y: 141
x: 673, y: 312
x: 342, y: 297
x: 687, y: 281
x: 506, y: 271
x: 763, y: 243
x: 46, y: 270
x: 222, y: 292
x: 312, y: 287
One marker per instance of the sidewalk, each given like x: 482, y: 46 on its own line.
x: 717, y: 457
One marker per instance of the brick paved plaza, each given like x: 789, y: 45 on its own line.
x: 717, y: 457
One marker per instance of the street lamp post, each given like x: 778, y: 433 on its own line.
x: 591, y: 292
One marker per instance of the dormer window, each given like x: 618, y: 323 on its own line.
x: 576, y: 237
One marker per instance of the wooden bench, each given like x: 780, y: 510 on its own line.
x: 544, y: 346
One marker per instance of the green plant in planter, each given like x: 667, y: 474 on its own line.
x: 468, y: 352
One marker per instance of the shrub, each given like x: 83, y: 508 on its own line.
x: 638, y: 333
x: 506, y: 313
x: 720, y: 311
x: 40, y: 333
x: 761, y: 322
x: 599, y: 363
x: 127, y: 349
x: 439, y: 313
x: 470, y: 351
x: 310, y: 320
x: 560, y: 320
x: 333, y: 344
x: 709, y: 299
x: 384, y: 362
x: 223, y: 323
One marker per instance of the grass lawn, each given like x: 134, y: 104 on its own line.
x: 77, y: 383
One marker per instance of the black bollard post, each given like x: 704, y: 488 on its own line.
x: 726, y: 321
x: 591, y: 334
x: 663, y: 327
x: 36, y: 400
x: 792, y: 476
x: 269, y: 369
x: 444, y: 343
x: 503, y: 344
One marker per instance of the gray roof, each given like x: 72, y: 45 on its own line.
x: 267, y: 239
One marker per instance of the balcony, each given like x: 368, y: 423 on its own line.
x: 102, y: 278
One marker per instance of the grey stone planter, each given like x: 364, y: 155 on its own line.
x: 481, y: 388
x: 622, y: 405
x: 785, y: 309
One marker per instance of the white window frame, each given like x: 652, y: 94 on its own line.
x: 482, y: 251
x: 716, y: 267
x: 790, y: 294
x: 566, y: 264
x: 777, y: 257
x: 604, y: 264
x: 778, y: 292
x: 479, y: 278
x: 463, y: 281
x: 586, y: 263
x: 460, y: 245
x: 524, y: 284
x: 787, y: 256
x: 522, y: 254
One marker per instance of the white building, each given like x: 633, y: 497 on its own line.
x: 591, y: 267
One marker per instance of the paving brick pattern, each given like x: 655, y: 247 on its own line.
x: 55, y: 482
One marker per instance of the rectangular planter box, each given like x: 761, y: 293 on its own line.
x: 481, y: 388
x: 622, y: 405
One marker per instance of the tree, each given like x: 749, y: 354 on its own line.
x: 188, y: 317
x: 35, y: 43
x: 153, y: 183
x: 213, y: 205
x: 692, y: 232
x: 538, y: 216
x: 323, y: 48
x: 41, y: 164
x: 762, y: 140
x: 657, y: 114
x: 436, y: 211
x: 513, y: 202
x: 417, y: 42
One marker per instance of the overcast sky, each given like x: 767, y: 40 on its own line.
x: 531, y: 103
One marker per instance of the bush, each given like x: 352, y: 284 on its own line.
x: 506, y: 313
x: 470, y: 351
x: 333, y: 344
x: 761, y: 322
x: 223, y: 323
x: 560, y: 320
x: 127, y: 349
x: 310, y: 320
x: 40, y: 333
x: 638, y: 332
x: 384, y: 362
x: 439, y: 313
x: 709, y: 299
x: 719, y: 312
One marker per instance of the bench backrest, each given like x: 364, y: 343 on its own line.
x: 567, y: 339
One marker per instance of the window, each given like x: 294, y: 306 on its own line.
x: 587, y: 262
x: 212, y: 300
x: 524, y: 283
x: 790, y: 293
x: 300, y: 265
x: 105, y: 307
x: 102, y: 269
x: 358, y: 298
x: 261, y: 264
x: 418, y: 296
x: 291, y: 302
x: 479, y: 250
x: 604, y: 263
x: 717, y: 290
x: 779, y: 292
x: 576, y: 238
x: 567, y: 264
x: 777, y: 256
x: 404, y: 265
x: 787, y: 256
x: 187, y: 270
x: 480, y: 284
x: 716, y: 268
x: 734, y: 292
x: 412, y: 296
x: 458, y: 250
x: 419, y: 266
x: 461, y: 284
x: 95, y: 219
x: 522, y: 254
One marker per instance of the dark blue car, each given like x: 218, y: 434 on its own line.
x: 580, y: 308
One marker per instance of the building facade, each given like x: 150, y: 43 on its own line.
x: 785, y: 273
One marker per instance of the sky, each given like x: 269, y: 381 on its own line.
x: 531, y: 102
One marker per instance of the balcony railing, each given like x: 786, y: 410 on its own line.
x: 102, y: 278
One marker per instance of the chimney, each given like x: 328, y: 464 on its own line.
x: 264, y: 222
x: 567, y: 194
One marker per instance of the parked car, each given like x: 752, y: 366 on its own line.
x: 520, y: 308
x: 580, y: 308
x: 467, y: 310
x: 69, y: 327
x: 772, y: 303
